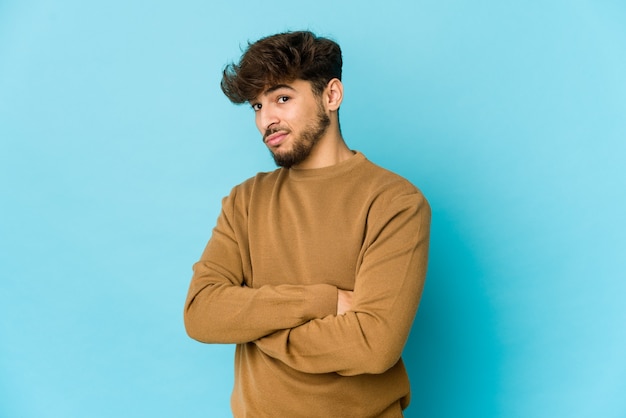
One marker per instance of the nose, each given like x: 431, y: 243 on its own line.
x: 265, y: 118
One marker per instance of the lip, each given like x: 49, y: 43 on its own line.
x: 276, y: 138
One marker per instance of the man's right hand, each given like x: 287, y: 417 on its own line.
x: 344, y: 301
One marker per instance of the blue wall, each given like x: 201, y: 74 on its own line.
x: 117, y: 146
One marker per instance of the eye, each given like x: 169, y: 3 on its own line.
x: 256, y: 106
x: 283, y: 99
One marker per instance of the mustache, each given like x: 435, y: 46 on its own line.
x: 273, y: 130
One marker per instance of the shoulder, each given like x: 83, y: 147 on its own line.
x: 393, y: 201
x: 388, y: 185
x: 263, y: 179
x: 242, y: 192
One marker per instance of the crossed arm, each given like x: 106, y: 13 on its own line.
x: 318, y: 328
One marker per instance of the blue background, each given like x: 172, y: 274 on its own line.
x: 117, y: 146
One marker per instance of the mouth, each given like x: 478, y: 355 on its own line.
x: 275, y: 138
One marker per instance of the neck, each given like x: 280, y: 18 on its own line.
x: 330, y: 150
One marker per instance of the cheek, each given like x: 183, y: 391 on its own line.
x: 257, y: 122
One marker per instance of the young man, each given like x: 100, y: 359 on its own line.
x: 314, y: 270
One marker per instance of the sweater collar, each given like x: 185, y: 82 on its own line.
x: 326, y: 172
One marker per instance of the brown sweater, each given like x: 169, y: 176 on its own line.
x: 284, y: 243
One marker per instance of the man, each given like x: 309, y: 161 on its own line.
x: 314, y: 270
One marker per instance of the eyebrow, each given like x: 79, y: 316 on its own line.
x: 278, y: 87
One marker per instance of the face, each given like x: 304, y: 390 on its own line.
x: 292, y: 120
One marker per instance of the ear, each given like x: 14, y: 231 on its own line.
x: 333, y: 94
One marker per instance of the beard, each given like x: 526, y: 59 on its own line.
x: 304, y: 144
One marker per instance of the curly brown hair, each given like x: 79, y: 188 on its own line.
x: 282, y: 58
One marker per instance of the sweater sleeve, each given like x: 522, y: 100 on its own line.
x: 220, y: 308
x: 388, y: 286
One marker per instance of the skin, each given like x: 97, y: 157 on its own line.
x: 285, y: 113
